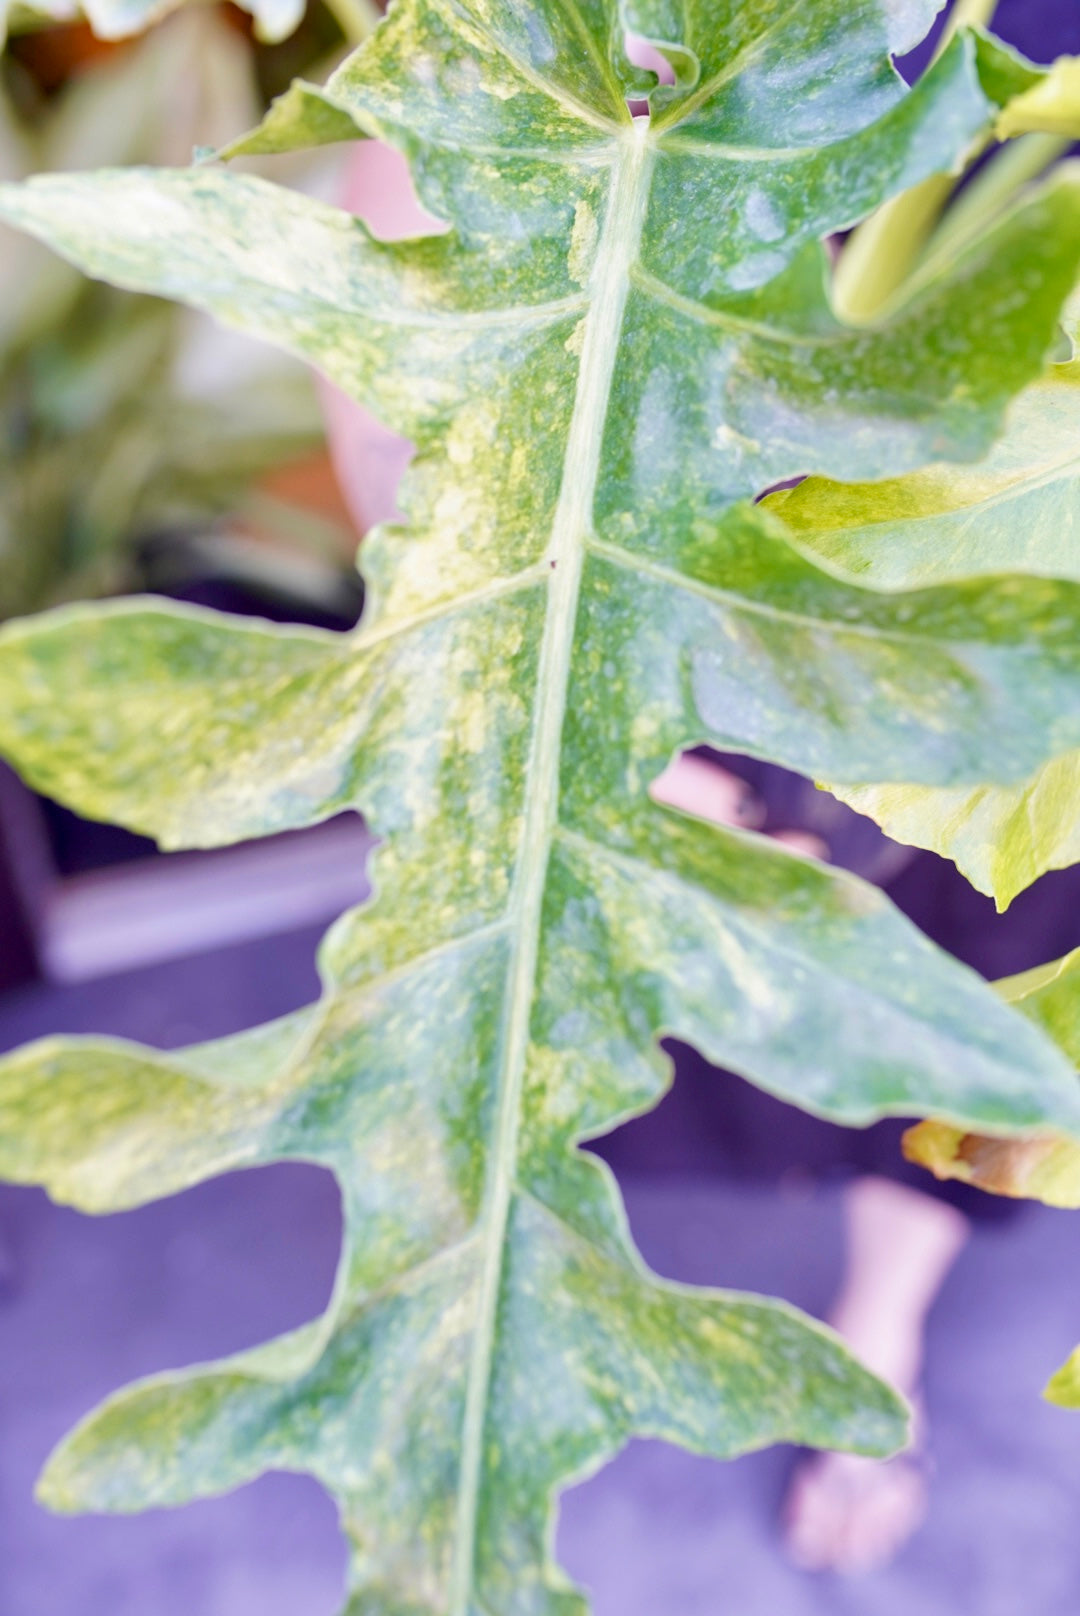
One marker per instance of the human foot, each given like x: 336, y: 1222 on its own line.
x: 845, y: 1513
x: 848, y: 1514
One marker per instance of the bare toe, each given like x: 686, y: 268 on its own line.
x: 852, y: 1515
x: 889, y: 1507
x: 815, y: 1513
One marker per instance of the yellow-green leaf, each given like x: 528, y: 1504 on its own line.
x: 1001, y: 837
x: 1052, y: 105
x: 1063, y: 1387
x: 1017, y: 511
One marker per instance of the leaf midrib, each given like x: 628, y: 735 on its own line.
x: 610, y: 287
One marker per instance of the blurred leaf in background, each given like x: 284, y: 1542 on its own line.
x: 119, y: 19
x: 130, y: 430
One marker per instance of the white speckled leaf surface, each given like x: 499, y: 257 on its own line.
x: 623, y: 337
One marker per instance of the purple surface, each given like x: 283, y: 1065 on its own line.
x: 662, y: 1533
x: 89, y: 1303
x: 85, y: 1304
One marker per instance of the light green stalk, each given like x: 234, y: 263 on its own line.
x: 355, y: 18
x: 880, y: 254
x: 1007, y: 172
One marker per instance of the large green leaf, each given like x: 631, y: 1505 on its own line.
x: 624, y: 334
x: 1018, y: 510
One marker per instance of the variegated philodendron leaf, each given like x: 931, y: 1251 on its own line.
x: 1018, y: 511
x: 622, y: 337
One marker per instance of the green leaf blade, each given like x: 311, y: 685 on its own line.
x: 303, y: 116
x: 785, y: 187
x: 735, y: 641
x: 771, y: 966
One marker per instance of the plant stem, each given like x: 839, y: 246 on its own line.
x: 355, y: 18
x: 965, y: 14
x: 880, y: 254
x: 990, y: 192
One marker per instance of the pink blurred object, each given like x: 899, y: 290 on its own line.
x: 642, y: 54
x: 378, y: 188
x: 369, y: 459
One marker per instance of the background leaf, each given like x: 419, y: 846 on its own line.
x: 1043, y: 1167
x: 1016, y: 511
x: 119, y: 19
x: 122, y: 418
x: 1052, y: 105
